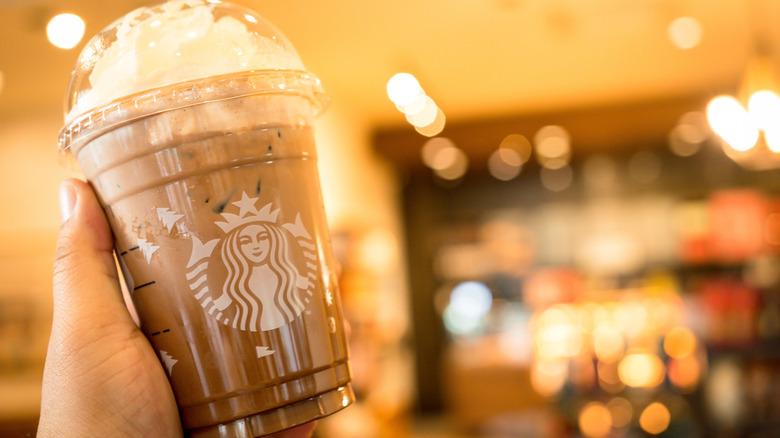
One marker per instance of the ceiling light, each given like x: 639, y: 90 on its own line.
x: 421, y: 111
x: 403, y: 89
x: 685, y: 32
x: 65, y: 30
x: 749, y: 123
x: 435, y: 127
x: 732, y: 123
x: 425, y: 116
x: 764, y: 107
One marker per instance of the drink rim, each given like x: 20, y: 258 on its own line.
x: 129, y: 109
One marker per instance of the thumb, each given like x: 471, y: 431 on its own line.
x: 86, y: 285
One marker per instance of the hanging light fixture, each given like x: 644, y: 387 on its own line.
x: 749, y: 123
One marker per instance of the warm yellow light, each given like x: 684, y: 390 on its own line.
x: 679, y: 342
x: 632, y: 318
x: 503, y: 166
x: 732, y: 123
x: 595, y: 420
x: 641, y: 370
x: 685, y: 32
x: 425, y: 116
x: 655, y: 418
x: 435, y: 128
x: 556, y: 179
x: 685, y: 373
x: 556, y: 334
x: 608, y: 342
x: 548, y: 376
x: 517, y: 143
x: 65, y: 30
x: 445, y: 157
x: 764, y: 107
x: 621, y: 411
x: 772, y: 138
x: 553, y: 147
x: 431, y: 149
x: 451, y: 163
x: 403, y: 89
x: 415, y: 106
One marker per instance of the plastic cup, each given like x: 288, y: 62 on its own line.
x: 211, y: 188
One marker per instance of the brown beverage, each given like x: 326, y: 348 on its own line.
x: 212, y: 192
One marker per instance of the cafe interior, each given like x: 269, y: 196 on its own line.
x: 554, y: 218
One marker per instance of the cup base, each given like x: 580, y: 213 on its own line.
x: 277, y: 420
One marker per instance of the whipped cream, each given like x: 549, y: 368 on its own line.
x: 178, y: 41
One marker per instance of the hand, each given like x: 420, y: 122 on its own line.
x: 102, y: 377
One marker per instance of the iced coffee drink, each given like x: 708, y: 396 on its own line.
x: 207, y: 170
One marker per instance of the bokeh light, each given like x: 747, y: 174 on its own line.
x: 687, y: 137
x: 558, y: 179
x: 65, y: 30
x: 772, y: 138
x: 621, y: 410
x: 641, y: 370
x: 450, y: 163
x: 679, y: 342
x: 600, y: 172
x: 469, y: 302
x: 553, y: 146
x: 764, y: 107
x: 595, y: 420
x: 556, y: 333
x: 471, y: 298
x: 655, y: 418
x: 519, y: 144
x: 421, y: 111
x: 504, y: 164
x: 608, y: 342
x: 685, y: 373
x: 685, y: 32
x: 732, y: 123
x: 403, y: 89
x: 548, y: 376
x: 431, y: 149
x: 435, y: 127
x: 632, y: 317
x: 425, y: 116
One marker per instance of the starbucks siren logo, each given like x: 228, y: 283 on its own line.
x: 268, y: 269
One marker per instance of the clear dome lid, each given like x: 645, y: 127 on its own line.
x: 179, y: 53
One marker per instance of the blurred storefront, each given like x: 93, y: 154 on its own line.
x: 633, y: 290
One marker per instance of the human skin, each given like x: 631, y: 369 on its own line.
x: 101, y: 377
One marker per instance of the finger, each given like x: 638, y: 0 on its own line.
x: 304, y: 431
x: 85, y: 278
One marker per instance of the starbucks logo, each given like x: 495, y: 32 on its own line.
x: 265, y: 269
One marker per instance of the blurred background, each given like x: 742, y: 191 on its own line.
x: 562, y: 220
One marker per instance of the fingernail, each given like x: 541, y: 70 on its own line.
x: 67, y: 200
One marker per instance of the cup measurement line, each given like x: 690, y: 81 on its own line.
x: 162, y: 331
x: 143, y: 285
x: 135, y: 248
